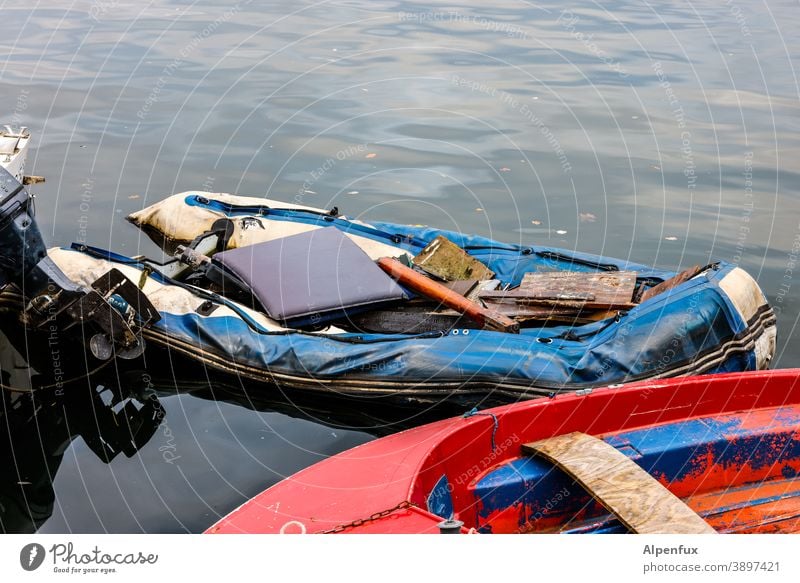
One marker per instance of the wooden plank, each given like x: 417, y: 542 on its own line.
x: 425, y: 286
x: 521, y: 299
x: 518, y: 295
x: 462, y: 287
x: 607, y: 288
x: 637, y: 499
x: 670, y: 283
x: 525, y: 314
x: 522, y: 310
x: 538, y: 316
x: 449, y: 262
x: 483, y: 286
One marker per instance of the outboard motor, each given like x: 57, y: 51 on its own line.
x: 111, y: 313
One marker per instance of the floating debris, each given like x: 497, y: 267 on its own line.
x: 505, y: 169
x: 134, y: 196
x: 670, y: 238
x: 370, y: 155
x: 479, y: 210
x: 353, y: 192
x: 587, y: 217
x: 536, y: 222
x: 561, y: 232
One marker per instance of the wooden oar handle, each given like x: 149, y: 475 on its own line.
x: 427, y: 287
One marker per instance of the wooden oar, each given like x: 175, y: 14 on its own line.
x: 430, y: 289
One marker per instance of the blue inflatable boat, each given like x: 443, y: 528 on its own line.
x: 716, y: 321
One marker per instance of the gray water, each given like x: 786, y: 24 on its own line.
x: 662, y: 132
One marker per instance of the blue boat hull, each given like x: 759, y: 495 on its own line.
x: 705, y: 325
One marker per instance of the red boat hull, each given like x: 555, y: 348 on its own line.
x: 726, y: 444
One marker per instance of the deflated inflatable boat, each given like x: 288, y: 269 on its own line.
x: 716, y: 321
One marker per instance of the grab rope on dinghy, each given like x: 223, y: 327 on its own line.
x: 305, y: 215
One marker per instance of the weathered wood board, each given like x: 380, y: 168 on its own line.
x: 667, y: 285
x: 512, y: 298
x: 560, y: 293
x: 449, y: 262
x: 483, y: 286
x: 522, y: 309
x: 637, y: 499
x: 461, y: 286
x: 608, y: 288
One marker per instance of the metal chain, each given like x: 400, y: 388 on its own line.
x: 376, y: 516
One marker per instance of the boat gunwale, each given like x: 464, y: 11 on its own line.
x: 718, y: 394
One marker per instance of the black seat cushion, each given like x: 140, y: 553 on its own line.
x: 310, y: 277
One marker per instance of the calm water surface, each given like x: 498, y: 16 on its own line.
x: 663, y: 132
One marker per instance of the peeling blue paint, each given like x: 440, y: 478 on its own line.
x: 439, y: 501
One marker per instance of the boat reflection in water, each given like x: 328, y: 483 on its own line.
x: 117, y: 411
x: 42, y: 419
